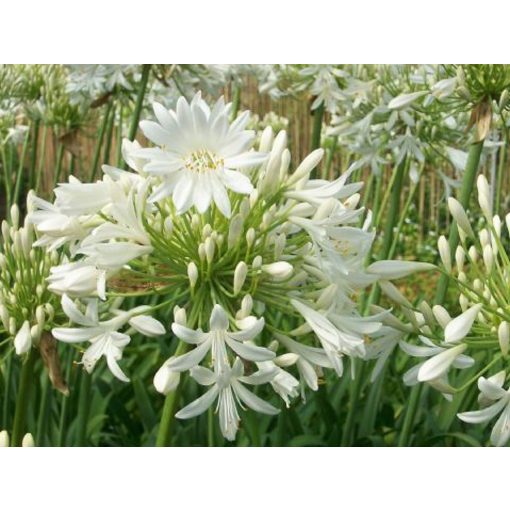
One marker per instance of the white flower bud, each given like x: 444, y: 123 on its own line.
x: 192, y: 274
x: 234, y: 230
x: 166, y: 380
x: 463, y: 302
x: 285, y: 163
x: 6, y: 233
x: 206, y: 231
x: 278, y: 270
x: 244, y: 208
x: 444, y: 253
x: 240, y: 276
x: 306, y: 166
x: 168, y: 226
x: 254, y: 196
x: 504, y: 337
x: 250, y: 236
x: 195, y: 222
x: 488, y: 258
x: 286, y: 360
x: 484, y: 196
x: 441, y: 315
x: 473, y: 254
x: 279, y: 245
x: 23, y: 340
x: 209, y: 250
x: 4, y: 316
x: 12, y: 326
x: 460, y: 216
x: 460, y: 256
x: 201, y: 252
x: 266, y: 139
x: 27, y: 441
x: 246, y: 305
x: 4, y: 439
x: 257, y: 262
x: 39, y: 315
x: 15, y: 216
x: 180, y: 315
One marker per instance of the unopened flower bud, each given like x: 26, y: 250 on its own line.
x: 488, y: 258
x: 166, y: 380
x: 444, y: 253
x: 460, y: 216
x: 201, y: 252
x: 168, y: 226
x: 484, y: 196
x: 460, y: 256
x: 4, y: 439
x: 240, y: 273
x: 504, y: 337
x: 180, y: 315
x: 23, y: 339
x: 442, y: 316
x: 209, y: 250
x: 278, y: 270
x: 28, y: 440
x: 250, y: 236
x: 192, y: 274
x: 234, y: 231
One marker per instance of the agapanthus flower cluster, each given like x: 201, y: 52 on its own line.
x: 27, y: 307
x: 478, y: 337
x: 260, y: 263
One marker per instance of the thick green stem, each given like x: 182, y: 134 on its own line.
x: 19, y: 176
x: 468, y: 183
x: 27, y: 374
x: 99, y: 144
x: 146, y: 68
x: 167, y: 418
x: 7, y: 392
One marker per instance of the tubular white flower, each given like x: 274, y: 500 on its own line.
x: 226, y: 387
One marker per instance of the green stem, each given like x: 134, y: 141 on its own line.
x: 83, y: 408
x: 139, y: 101
x: 99, y: 144
x: 167, y: 418
x: 44, y: 410
x: 27, y: 374
x: 19, y: 177
x: 348, y: 430
x: 42, y: 155
x: 318, y: 116
x: 7, y: 391
x: 58, y: 170
x: 411, y: 408
x: 466, y: 189
x: 236, y: 100
x: 33, y: 153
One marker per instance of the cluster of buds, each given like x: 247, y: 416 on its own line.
x: 27, y: 307
x: 478, y: 338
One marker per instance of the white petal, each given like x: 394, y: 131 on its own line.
x: 199, y: 405
x: 393, y: 269
x: 252, y: 401
x: 501, y: 431
x: 249, y: 351
x: 484, y: 415
x: 440, y: 363
x: 219, y: 319
x: 459, y: 327
x: 147, y: 325
x: 190, y: 359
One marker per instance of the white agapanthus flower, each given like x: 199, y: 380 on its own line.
x: 200, y: 155
x: 227, y: 387
x: 495, y: 401
x: 104, y: 336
